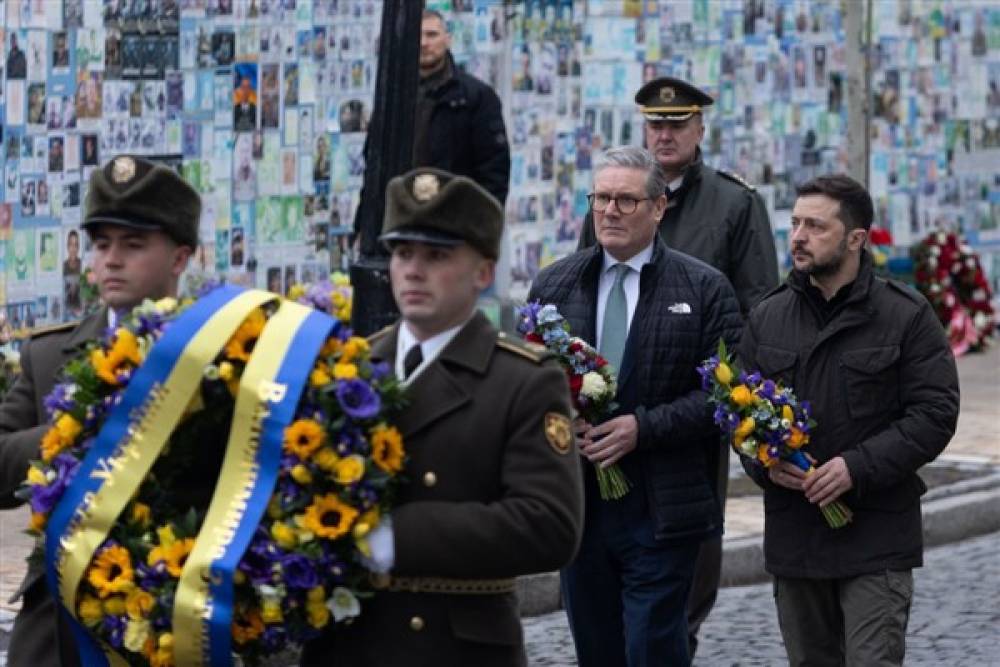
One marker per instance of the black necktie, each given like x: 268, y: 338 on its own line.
x: 412, y: 359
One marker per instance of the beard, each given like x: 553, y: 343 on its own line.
x: 829, y: 266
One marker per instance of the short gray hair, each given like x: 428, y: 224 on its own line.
x: 638, y: 158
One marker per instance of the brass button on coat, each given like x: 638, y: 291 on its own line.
x: 416, y: 624
x: 430, y: 479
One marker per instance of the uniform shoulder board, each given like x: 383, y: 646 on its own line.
x: 381, y: 333
x: 53, y: 328
x: 532, y: 351
x: 736, y: 179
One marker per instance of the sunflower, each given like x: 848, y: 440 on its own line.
x: 173, y: 553
x: 108, y: 365
x: 52, y: 444
x: 139, y: 603
x: 319, y: 376
x: 303, y: 437
x: 112, y: 571
x: 387, y: 448
x: 354, y: 348
x: 247, y: 627
x: 330, y: 347
x: 163, y: 656
x: 68, y: 428
x: 329, y: 518
x: 240, y: 346
x: 89, y: 611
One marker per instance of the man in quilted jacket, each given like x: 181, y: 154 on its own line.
x: 654, y: 314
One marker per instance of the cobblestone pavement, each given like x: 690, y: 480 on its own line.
x: 955, y: 619
x: 954, y: 622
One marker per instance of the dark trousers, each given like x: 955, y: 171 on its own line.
x: 625, y: 592
x: 855, y: 621
x: 708, y: 567
x: 40, y: 638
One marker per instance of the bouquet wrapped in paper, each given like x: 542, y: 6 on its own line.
x: 210, y: 476
x: 592, y: 381
x: 764, y: 421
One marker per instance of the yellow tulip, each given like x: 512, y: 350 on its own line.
x: 741, y: 395
x: 723, y: 373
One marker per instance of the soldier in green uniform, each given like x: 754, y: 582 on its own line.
x: 495, y: 488
x: 142, y: 219
x: 718, y: 218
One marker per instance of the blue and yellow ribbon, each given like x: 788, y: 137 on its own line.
x: 269, y: 392
x: 158, y: 393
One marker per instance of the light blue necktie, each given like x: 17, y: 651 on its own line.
x: 614, y: 329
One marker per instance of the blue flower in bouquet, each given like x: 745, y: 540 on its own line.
x: 357, y: 399
x: 60, y: 399
x: 45, y: 496
x: 592, y: 383
x: 298, y: 571
x: 764, y: 421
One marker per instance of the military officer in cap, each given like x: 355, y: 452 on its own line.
x: 142, y: 220
x: 716, y: 217
x: 495, y: 488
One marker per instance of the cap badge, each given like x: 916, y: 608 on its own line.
x: 667, y: 94
x: 425, y: 187
x: 123, y: 169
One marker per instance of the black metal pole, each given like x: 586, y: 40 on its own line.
x: 388, y: 153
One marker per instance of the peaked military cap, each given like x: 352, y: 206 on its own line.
x: 668, y: 98
x: 433, y: 206
x: 131, y: 191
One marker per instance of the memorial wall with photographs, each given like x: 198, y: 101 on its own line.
x: 263, y: 105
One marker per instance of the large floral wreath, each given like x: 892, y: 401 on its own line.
x: 949, y: 274
x: 339, y: 464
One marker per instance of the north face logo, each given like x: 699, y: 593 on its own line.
x: 680, y: 308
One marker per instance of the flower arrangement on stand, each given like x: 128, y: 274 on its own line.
x: 948, y: 273
x: 764, y: 421
x: 592, y: 381
x: 329, y: 451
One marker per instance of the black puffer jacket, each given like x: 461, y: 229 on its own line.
x: 466, y: 135
x: 884, y: 390
x: 684, y: 307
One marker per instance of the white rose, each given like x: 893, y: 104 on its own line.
x: 980, y: 320
x: 594, y: 385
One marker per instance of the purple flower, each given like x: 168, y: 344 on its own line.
x: 380, y: 370
x: 114, y: 626
x: 768, y: 389
x: 725, y: 419
x: 151, y: 577
x: 299, y: 571
x: 257, y: 563
x: 45, y: 497
x: 528, y: 317
x: 357, y: 399
x: 274, y: 638
x: 60, y: 398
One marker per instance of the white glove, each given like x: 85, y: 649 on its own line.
x: 383, y: 548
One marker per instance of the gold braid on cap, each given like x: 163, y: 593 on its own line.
x: 691, y: 109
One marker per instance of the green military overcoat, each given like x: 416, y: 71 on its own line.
x: 494, y: 491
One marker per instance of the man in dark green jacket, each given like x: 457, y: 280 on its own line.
x: 143, y: 222
x: 873, y: 361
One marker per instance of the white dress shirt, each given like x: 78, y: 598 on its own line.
x: 429, y: 348
x: 631, y: 285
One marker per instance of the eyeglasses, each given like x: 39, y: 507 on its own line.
x: 626, y: 203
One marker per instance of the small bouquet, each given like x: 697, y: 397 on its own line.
x: 310, y: 468
x: 764, y: 420
x: 592, y: 382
